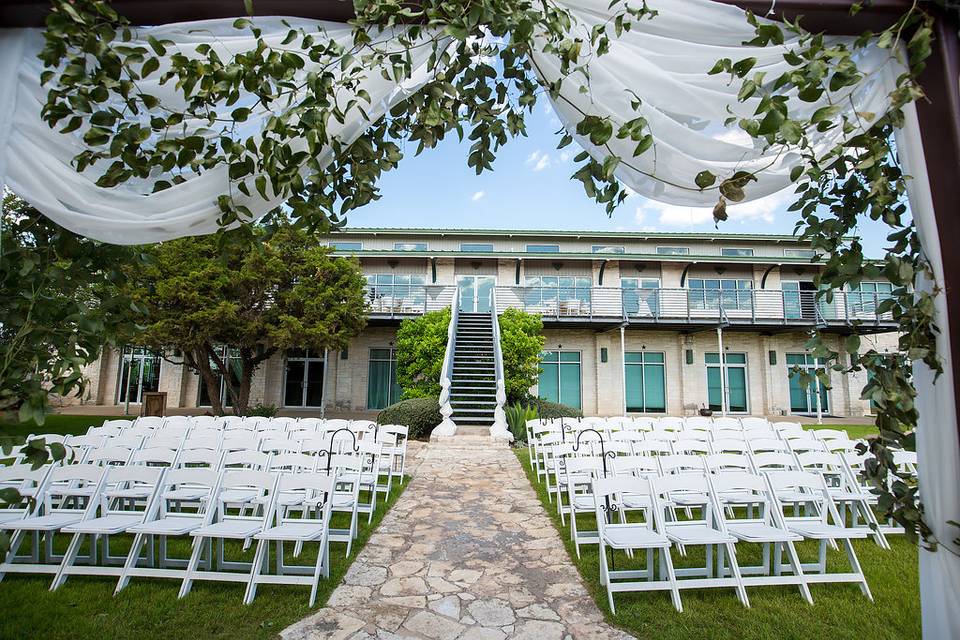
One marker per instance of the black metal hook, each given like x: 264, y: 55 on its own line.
x: 329, y: 452
x: 604, y: 454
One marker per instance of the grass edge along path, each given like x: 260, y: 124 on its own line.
x: 776, y: 613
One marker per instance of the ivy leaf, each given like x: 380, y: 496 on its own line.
x: 705, y: 179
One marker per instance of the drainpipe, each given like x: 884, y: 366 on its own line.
x: 323, y: 391
x: 126, y: 388
x: 623, y: 369
x: 723, y: 375
x: 816, y: 390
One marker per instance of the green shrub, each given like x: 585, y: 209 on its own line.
x: 521, y: 345
x: 517, y: 416
x: 420, y: 415
x: 420, y: 345
x: 264, y: 410
x: 547, y: 410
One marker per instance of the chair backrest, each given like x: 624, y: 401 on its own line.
x: 245, y: 459
x: 194, y: 458
x: 226, y: 421
x: 26, y: 480
x: 840, y: 444
x: 805, y: 482
x: 636, y: 465
x: 105, y: 431
x: 205, y: 440
x: 727, y: 423
x: 663, y: 486
x: 108, y: 456
x: 753, y: 422
x: 278, y: 444
x: 681, y: 463
x: 694, y: 434
x: 774, y: 461
x: 246, y: 424
x: 209, y: 422
x: 193, y: 477
x: 119, y: 424
x: 652, y: 447
x: 335, y: 423
x: 612, y: 487
x: 830, y: 434
x: 668, y: 423
x: 800, y: 445
x: 154, y: 456
x: 127, y: 439
x: 84, y: 480
x: 691, y: 446
x: 151, y: 422
x: 701, y: 423
x: 248, y: 479
x: 906, y: 461
x: 786, y: 427
x: 293, y: 462
x: 163, y: 441
x: 729, y: 445
x: 758, y: 445
x: 131, y: 475
x: 725, y: 461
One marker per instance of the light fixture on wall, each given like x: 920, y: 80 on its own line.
x: 773, y: 357
x: 557, y: 266
x: 689, y: 356
x: 604, y: 355
x: 721, y: 270
x: 392, y: 263
x: 640, y: 267
x: 476, y: 264
x: 799, y: 271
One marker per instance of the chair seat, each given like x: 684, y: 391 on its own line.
x: 286, y: 499
x: 697, y: 534
x: 842, y: 495
x: 9, y: 515
x: 583, y: 502
x: 110, y: 524
x: 339, y: 502
x: 187, y: 493
x: 633, y: 501
x: 691, y: 499
x: 821, y: 531
x: 739, y: 497
x: 759, y: 532
x: 633, y: 536
x: 238, y: 496
x: 49, y: 522
x: 236, y: 529
x: 133, y: 492
x: 294, y: 531
x: 168, y: 526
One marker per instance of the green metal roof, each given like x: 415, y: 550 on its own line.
x: 650, y: 257
x: 634, y: 235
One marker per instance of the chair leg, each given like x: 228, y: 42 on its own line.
x: 667, y: 562
x: 187, y: 583
x: 255, y: 568
x: 132, y: 558
x: 68, y: 559
x: 798, y: 571
x: 855, y: 566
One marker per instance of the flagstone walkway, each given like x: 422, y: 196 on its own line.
x: 468, y: 553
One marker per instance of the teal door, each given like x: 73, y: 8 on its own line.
x: 475, y: 293
x: 736, y: 374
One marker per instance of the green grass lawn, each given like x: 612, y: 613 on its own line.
x: 54, y: 423
x: 840, y: 611
x: 855, y: 431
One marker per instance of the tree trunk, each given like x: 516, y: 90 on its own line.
x: 200, y: 362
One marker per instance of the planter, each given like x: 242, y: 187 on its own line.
x: 706, y: 412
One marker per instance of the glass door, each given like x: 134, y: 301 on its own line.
x: 737, y: 391
x: 303, y: 384
x: 139, y: 373
x: 475, y: 293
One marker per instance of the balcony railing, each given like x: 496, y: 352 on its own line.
x: 740, y: 306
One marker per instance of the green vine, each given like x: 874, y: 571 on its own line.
x: 485, y: 85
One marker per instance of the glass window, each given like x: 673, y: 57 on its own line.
x: 558, y: 294
x: 560, y: 377
x: 382, y: 387
x: 346, y: 246
x: 640, y: 296
x: 865, y: 297
x: 396, y: 293
x: 735, y: 370
x: 410, y: 246
x: 673, y: 251
x: 476, y: 246
x: 543, y: 248
x: 803, y: 398
x: 710, y: 294
x: 735, y: 252
x: 607, y: 248
x: 645, y: 381
x: 799, y: 253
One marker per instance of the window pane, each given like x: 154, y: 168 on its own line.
x: 634, y: 384
x: 476, y: 246
x: 410, y: 246
x: 549, y: 384
x: 633, y: 357
x: 673, y: 251
x: 570, y: 383
x: 346, y: 246
x: 378, y: 384
x: 607, y: 248
x: 293, y: 389
x: 549, y: 356
x: 735, y: 358
x: 654, y: 388
x: 737, y: 385
x: 655, y: 357
x: 733, y: 252
x: 569, y: 356
x: 543, y: 248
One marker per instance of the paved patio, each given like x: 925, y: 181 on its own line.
x: 468, y: 553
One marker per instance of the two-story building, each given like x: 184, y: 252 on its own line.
x: 633, y: 323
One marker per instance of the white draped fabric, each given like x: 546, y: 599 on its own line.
x: 35, y: 160
x: 663, y: 61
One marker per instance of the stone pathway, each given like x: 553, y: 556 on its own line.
x: 468, y: 553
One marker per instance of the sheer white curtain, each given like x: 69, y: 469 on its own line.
x: 35, y: 160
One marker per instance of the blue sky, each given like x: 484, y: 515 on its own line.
x: 530, y: 188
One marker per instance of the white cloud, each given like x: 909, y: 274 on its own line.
x: 539, y: 160
x: 762, y: 211
x: 566, y: 156
x: 477, y: 196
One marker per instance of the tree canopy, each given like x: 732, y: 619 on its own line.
x: 254, y: 294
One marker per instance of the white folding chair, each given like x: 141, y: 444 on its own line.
x: 626, y: 536
x: 579, y: 475
x: 312, y: 525
x: 206, y: 422
x: 115, y: 515
x: 766, y: 528
x: 701, y: 423
x: 150, y: 422
x: 221, y: 524
x: 821, y: 522
x: 728, y: 423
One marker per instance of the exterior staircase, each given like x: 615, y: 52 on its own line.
x: 473, y: 389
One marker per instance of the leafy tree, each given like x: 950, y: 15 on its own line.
x: 421, y: 344
x: 521, y: 345
x: 58, y: 307
x: 258, y: 291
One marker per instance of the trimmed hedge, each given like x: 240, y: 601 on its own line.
x: 547, y: 410
x: 420, y: 415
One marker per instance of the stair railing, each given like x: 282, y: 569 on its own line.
x: 447, y: 427
x: 499, y: 429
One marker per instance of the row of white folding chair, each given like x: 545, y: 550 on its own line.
x: 837, y: 468
x: 82, y: 500
x: 719, y: 529
x: 668, y: 423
